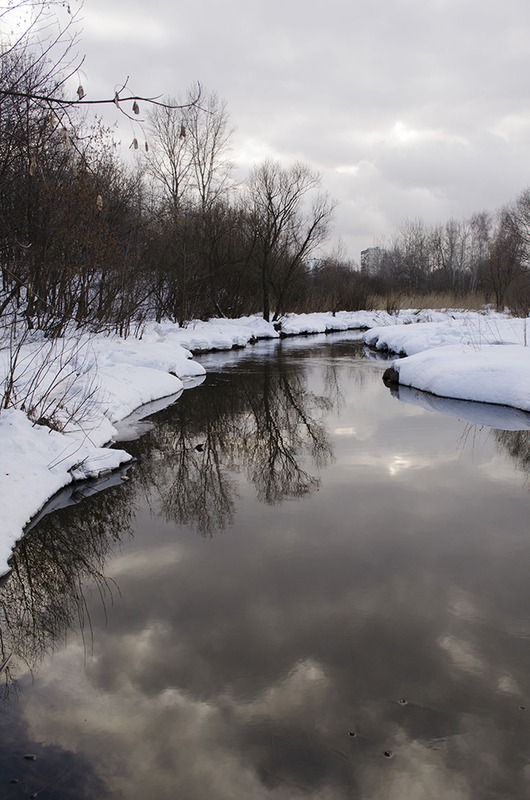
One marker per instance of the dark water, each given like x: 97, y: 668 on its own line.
x: 306, y: 589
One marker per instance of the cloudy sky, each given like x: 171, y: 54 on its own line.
x: 409, y: 108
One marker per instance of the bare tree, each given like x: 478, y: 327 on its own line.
x: 188, y: 162
x: 450, y: 254
x: 413, y: 243
x: 480, y: 226
x: 169, y: 161
x: 188, y: 154
x: 289, y: 217
x: 519, y: 217
x: 504, y: 263
x: 208, y: 134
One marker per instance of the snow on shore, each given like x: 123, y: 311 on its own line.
x: 477, y: 357
x: 490, y: 374
x: 472, y: 329
x: 87, y: 385
x: 326, y: 322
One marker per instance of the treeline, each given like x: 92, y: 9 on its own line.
x: 488, y: 254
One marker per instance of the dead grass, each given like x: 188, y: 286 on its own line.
x: 395, y: 301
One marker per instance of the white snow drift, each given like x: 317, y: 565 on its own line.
x: 477, y: 357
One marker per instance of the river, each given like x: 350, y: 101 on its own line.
x: 306, y: 587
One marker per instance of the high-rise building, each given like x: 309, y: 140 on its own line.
x: 370, y: 260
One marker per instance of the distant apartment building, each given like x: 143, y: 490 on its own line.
x: 370, y: 260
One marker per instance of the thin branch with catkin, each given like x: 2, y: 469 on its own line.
x: 118, y: 100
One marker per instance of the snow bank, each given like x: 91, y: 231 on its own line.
x: 35, y: 462
x: 471, y: 329
x: 475, y: 357
x: 216, y: 334
x: 492, y: 374
x: 326, y: 322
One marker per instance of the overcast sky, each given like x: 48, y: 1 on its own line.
x: 409, y: 108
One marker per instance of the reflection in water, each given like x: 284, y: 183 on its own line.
x: 42, y: 597
x: 492, y: 416
x: 263, y: 422
x: 510, y: 426
x: 517, y: 444
x: 368, y: 640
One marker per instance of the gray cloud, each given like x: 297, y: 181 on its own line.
x: 431, y: 96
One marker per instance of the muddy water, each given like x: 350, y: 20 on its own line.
x: 306, y: 588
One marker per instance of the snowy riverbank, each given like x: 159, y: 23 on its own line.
x: 472, y: 357
x: 87, y: 385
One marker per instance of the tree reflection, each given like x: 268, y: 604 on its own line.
x: 263, y: 422
x: 517, y: 444
x: 42, y: 598
x: 281, y: 430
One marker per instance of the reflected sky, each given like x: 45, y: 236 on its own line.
x: 492, y: 416
x: 363, y: 633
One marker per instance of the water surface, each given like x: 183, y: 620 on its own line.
x: 306, y: 588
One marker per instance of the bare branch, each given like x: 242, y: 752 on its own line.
x: 64, y: 103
